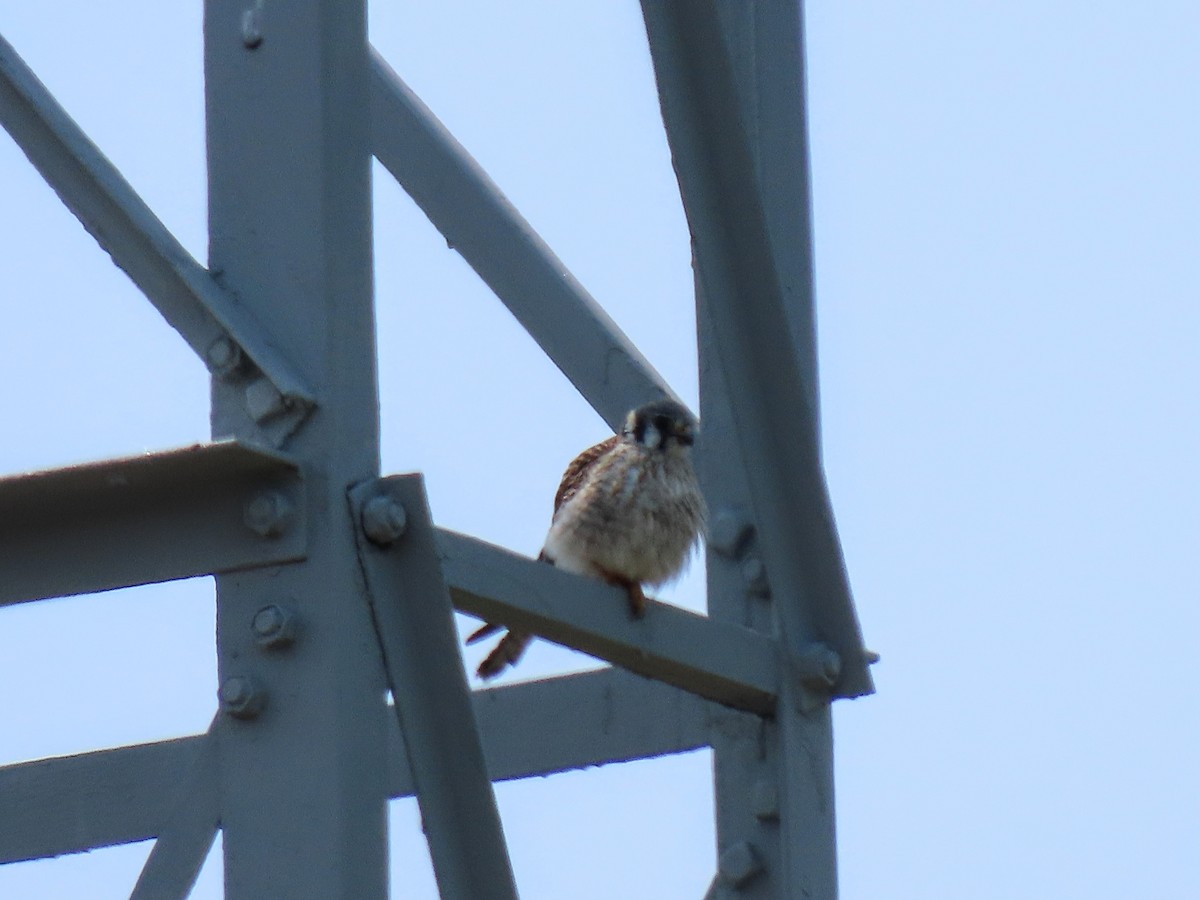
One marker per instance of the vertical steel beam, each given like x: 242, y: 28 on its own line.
x: 731, y: 82
x: 302, y: 762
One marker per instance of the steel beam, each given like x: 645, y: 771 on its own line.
x: 71, y: 804
x: 415, y: 624
x: 478, y: 221
x: 716, y: 660
x: 76, y: 803
x: 302, y: 771
x: 754, y: 340
x: 731, y: 83
x: 231, y: 341
x: 184, y: 840
x: 588, y: 719
x: 143, y: 519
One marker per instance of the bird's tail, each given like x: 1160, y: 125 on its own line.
x: 505, y: 653
x: 511, y: 646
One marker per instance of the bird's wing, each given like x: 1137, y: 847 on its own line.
x: 578, y: 469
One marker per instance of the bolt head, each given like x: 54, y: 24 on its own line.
x: 223, y: 357
x: 754, y: 574
x: 274, y: 626
x: 739, y: 863
x: 728, y: 533
x: 252, y: 26
x: 263, y: 400
x: 383, y: 520
x: 241, y: 696
x: 268, y: 514
x: 765, y: 800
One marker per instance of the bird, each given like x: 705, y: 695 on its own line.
x: 628, y: 511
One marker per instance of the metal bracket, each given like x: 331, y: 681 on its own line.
x: 143, y: 519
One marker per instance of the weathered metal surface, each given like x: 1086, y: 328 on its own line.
x: 143, y: 519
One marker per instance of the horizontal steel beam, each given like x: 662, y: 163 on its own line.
x: 584, y: 720
x: 478, y: 221
x: 69, y: 804
x: 211, y: 508
x: 187, y: 835
x: 231, y: 342
x: 75, y: 803
x: 717, y: 661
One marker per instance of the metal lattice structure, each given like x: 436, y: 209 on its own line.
x: 318, y: 559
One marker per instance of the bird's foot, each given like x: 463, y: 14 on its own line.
x: 637, y: 600
x: 633, y: 590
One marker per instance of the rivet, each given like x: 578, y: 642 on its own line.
x: 274, y: 626
x: 728, y: 532
x: 754, y: 574
x: 269, y: 514
x: 241, y: 696
x: 383, y: 520
x: 739, y: 863
x: 223, y: 357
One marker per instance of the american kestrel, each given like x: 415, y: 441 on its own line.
x: 628, y: 511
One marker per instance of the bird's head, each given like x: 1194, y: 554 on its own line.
x: 660, y: 425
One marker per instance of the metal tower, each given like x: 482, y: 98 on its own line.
x: 333, y: 584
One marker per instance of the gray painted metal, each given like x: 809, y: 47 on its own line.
x: 303, y: 783
x: 298, y: 777
x: 71, y: 530
x: 752, y: 335
x: 479, y: 222
x: 589, y: 719
x: 221, y: 332
x: 722, y: 72
x: 715, y: 660
x: 415, y: 625
x: 70, y: 804
x: 107, y: 797
x: 185, y: 839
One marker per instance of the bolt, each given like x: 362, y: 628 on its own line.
x: 263, y: 400
x: 754, y: 574
x: 252, y: 25
x: 241, y: 696
x: 739, y: 863
x: 728, y: 532
x: 274, y: 626
x: 765, y: 799
x: 817, y: 664
x: 383, y: 520
x: 223, y: 357
x: 268, y: 514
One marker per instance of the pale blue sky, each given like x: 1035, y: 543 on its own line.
x: 1007, y: 216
